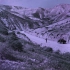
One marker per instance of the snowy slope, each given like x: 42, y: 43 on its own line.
x: 38, y: 17
x: 53, y: 44
x: 54, y: 31
x: 40, y: 22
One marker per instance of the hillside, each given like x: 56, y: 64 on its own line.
x: 22, y: 38
x: 60, y: 27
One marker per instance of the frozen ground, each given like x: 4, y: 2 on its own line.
x: 53, y: 44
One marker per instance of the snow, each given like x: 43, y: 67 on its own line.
x: 53, y: 44
x: 5, y: 22
x: 60, y: 23
x: 23, y: 11
x: 60, y: 8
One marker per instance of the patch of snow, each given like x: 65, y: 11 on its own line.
x: 63, y: 22
x: 53, y: 44
x: 5, y: 22
x: 23, y: 11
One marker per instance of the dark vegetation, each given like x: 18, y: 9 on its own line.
x: 36, y: 15
x: 2, y: 39
x: 62, y: 41
x: 3, y: 29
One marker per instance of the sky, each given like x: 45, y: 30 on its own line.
x: 34, y: 3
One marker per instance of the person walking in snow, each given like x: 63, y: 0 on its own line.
x: 46, y: 40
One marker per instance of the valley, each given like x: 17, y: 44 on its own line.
x: 35, y: 39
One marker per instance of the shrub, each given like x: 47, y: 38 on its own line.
x: 2, y: 39
x: 17, y: 46
x: 57, y: 52
x: 36, y: 15
x: 48, y: 49
x: 3, y: 29
x: 66, y: 56
x: 62, y: 41
x: 13, y: 36
x: 7, y: 53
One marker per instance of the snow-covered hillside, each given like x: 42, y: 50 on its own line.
x: 54, y: 31
x: 52, y: 24
x: 53, y: 44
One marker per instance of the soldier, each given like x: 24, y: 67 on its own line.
x: 46, y: 40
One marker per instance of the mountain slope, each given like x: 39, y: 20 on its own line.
x: 19, y: 18
x: 22, y: 38
x: 50, y: 23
